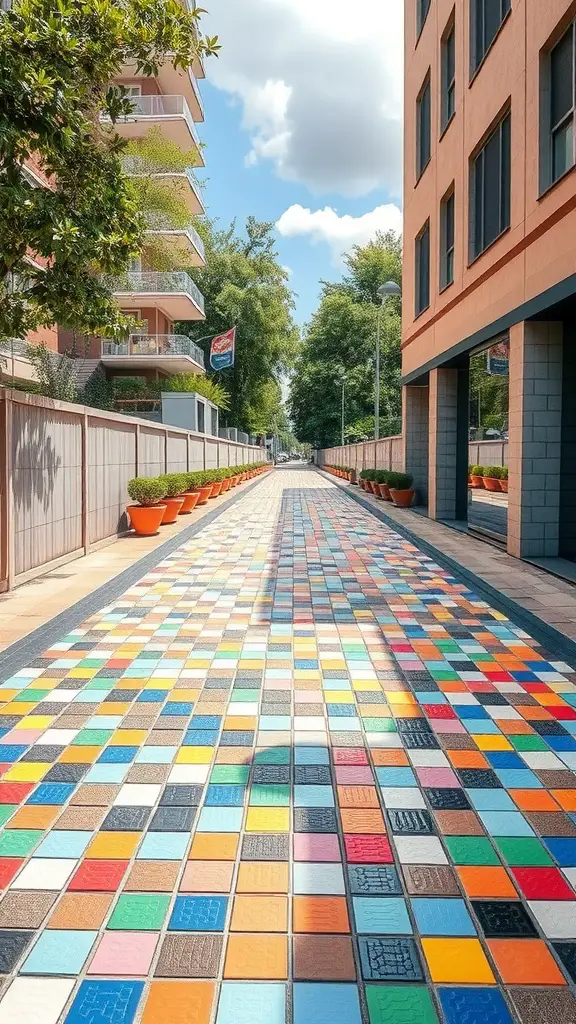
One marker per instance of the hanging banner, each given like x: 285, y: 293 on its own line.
x: 497, y: 363
x: 222, y: 350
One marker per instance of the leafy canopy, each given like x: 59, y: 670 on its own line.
x: 56, y: 64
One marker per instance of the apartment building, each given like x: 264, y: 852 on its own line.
x: 490, y: 253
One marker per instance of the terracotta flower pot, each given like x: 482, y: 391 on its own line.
x: 216, y: 489
x: 146, y: 519
x: 225, y: 485
x: 403, y: 499
x: 235, y: 481
x: 173, y: 506
x: 204, y: 493
x: 504, y: 485
x: 491, y: 484
x: 477, y: 481
x: 384, y: 492
x: 374, y: 488
x: 190, y: 502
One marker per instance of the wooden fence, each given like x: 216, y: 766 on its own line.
x: 64, y: 470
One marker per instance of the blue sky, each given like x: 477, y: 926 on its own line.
x: 290, y: 140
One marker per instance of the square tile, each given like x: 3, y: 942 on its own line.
x: 436, y: 916
x: 59, y: 952
x: 257, y: 957
x: 406, y: 1004
x: 251, y: 1004
x: 323, y: 958
x: 44, y: 874
x: 198, y: 914
x: 124, y: 954
x: 326, y: 1003
x: 474, y: 1005
x: 103, y: 1001
x: 390, y: 959
x: 182, y: 1002
x: 457, y: 961
x: 189, y: 956
x: 136, y: 912
x: 525, y: 962
x: 504, y: 919
x: 259, y: 914
x: 376, y: 915
x: 320, y: 914
x: 419, y: 850
x: 81, y: 910
x: 35, y: 1000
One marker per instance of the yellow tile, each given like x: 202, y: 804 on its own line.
x: 366, y: 685
x: 27, y: 772
x: 492, y: 742
x: 18, y: 708
x: 112, y: 845
x: 7, y: 695
x: 195, y: 755
x: 399, y: 697
x: 339, y: 697
x: 159, y: 684
x: 240, y: 722
x: 79, y: 755
x: 184, y: 694
x: 82, y: 673
x: 36, y: 722
x: 128, y: 737
x: 132, y: 684
x: 268, y: 819
x: 113, y: 707
x: 459, y: 961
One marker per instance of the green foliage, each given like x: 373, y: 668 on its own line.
x: 146, y: 490
x: 339, y: 345
x: 399, y: 481
x: 192, y: 382
x: 492, y: 472
x: 55, y: 373
x: 56, y: 64
x: 504, y: 473
x: 382, y: 476
x: 245, y: 286
x: 477, y: 471
x: 488, y: 397
x: 174, y: 484
x: 99, y: 392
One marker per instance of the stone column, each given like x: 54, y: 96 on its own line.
x: 415, y: 438
x: 443, y: 442
x: 534, y: 445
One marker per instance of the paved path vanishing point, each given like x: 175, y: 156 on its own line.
x: 298, y: 773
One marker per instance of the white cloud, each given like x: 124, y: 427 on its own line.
x: 320, y: 85
x: 339, y: 232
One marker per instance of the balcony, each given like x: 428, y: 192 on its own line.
x: 172, y: 291
x: 172, y: 81
x: 183, y: 182
x: 14, y: 362
x: 170, y: 113
x: 170, y: 353
x: 184, y: 240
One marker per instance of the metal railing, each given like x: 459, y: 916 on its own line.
x: 155, y: 106
x: 155, y: 345
x: 158, y: 282
x: 156, y: 221
x: 137, y: 167
x: 13, y: 347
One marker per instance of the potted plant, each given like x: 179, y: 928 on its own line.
x: 477, y: 476
x: 491, y: 478
x: 190, y: 495
x: 146, y: 516
x: 504, y: 479
x: 174, y: 487
x: 382, y: 477
x: 400, y: 486
x: 204, y: 486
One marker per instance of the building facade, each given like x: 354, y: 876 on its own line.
x: 490, y: 252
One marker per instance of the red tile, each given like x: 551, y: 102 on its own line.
x: 8, y: 868
x: 350, y: 755
x: 99, y: 875
x: 15, y: 792
x: 542, y: 884
x: 368, y: 850
x: 563, y: 714
x: 443, y: 711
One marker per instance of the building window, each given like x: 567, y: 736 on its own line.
x: 447, y: 241
x: 423, y: 270
x: 448, y: 100
x: 423, y: 129
x: 486, y: 19
x: 201, y: 418
x: 422, y: 8
x: 562, y: 72
x: 490, y: 189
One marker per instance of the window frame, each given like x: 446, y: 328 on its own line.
x: 505, y: 195
x: 477, y: 59
x: 548, y: 130
x: 426, y: 87
x: 447, y: 253
x: 422, y: 12
x: 418, y: 308
x: 447, y: 87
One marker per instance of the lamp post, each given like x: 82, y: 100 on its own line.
x: 385, y: 292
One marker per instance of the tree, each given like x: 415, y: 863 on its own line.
x: 55, y: 373
x: 192, y: 382
x: 56, y: 64
x: 245, y: 286
x: 339, y: 344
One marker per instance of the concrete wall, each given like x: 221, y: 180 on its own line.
x: 389, y: 454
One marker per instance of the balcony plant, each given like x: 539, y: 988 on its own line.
x: 146, y: 516
x: 174, y: 488
x: 400, y: 486
x: 491, y: 478
x: 477, y: 476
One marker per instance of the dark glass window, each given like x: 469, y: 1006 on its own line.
x: 562, y: 103
x: 422, y: 8
x: 487, y: 16
x: 447, y: 241
x: 423, y: 270
x: 490, y: 189
x: 423, y: 128
x: 214, y: 422
x: 448, y: 101
x: 201, y: 420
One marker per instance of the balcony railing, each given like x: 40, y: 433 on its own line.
x: 154, y: 345
x: 161, y: 106
x: 156, y: 221
x: 13, y: 347
x: 135, y: 167
x: 165, y: 282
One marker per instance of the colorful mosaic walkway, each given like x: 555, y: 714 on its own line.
x: 298, y: 774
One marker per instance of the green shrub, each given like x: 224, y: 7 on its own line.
x: 504, y: 473
x: 477, y: 471
x: 400, y: 482
x: 492, y: 472
x: 382, y: 475
x: 146, y: 490
x: 174, y: 484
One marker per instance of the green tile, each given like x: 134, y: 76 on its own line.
x: 135, y: 912
x: 6, y: 811
x: 92, y: 737
x: 528, y: 743
x: 377, y: 724
x: 270, y: 796
x: 471, y: 850
x: 446, y: 675
x: 400, y: 1004
x: 523, y: 852
x: 245, y: 696
x: 100, y: 684
x: 273, y: 755
x: 30, y: 695
x: 236, y: 774
x: 17, y: 842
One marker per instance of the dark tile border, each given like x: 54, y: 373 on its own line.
x: 546, y: 635
x: 19, y: 654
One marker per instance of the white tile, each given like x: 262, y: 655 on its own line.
x: 309, y: 723
x: 570, y: 874
x: 541, y: 759
x: 408, y: 799
x: 135, y: 794
x: 568, y: 758
x: 236, y: 707
x: 385, y: 740
x: 497, y: 711
x: 60, y: 696
x: 462, y: 698
x: 557, y: 919
x: 184, y: 773
x: 419, y: 850
x: 50, y: 873
x: 428, y: 758
x: 35, y: 1000
x: 58, y: 737
x: 319, y: 879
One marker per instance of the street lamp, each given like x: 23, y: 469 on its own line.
x: 385, y: 292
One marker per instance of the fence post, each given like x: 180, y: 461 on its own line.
x: 7, y: 509
x: 137, y: 450
x: 204, y: 450
x: 165, y: 449
x: 84, y: 469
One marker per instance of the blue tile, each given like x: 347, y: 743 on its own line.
x: 156, y: 755
x: 470, y: 712
x: 163, y: 846
x: 51, y: 793
x: 198, y: 914
x: 561, y: 743
x: 10, y: 752
x: 251, y: 1004
x: 59, y: 952
x: 505, y: 759
x: 564, y: 850
x: 474, y: 1006
x: 118, y: 755
x: 103, y: 773
x: 482, y: 728
x: 513, y: 779
x: 505, y: 823
x: 436, y: 916
x: 105, y: 1002
x: 63, y: 844
x: 313, y: 796
x: 400, y: 777
x: 490, y: 800
x: 311, y: 755
x: 220, y: 819
x: 275, y: 723
x: 381, y: 915
x: 201, y: 738
x: 225, y: 796
x: 326, y: 1004
x: 205, y: 721
x: 152, y: 696
x: 176, y: 707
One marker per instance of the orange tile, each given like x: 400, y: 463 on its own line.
x: 550, y: 699
x: 180, y: 1002
x: 326, y: 914
x: 453, y: 686
x: 460, y: 961
x: 357, y: 796
x: 534, y: 714
x: 263, y: 876
x: 214, y: 846
x: 113, y: 845
x: 467, y: 759
x: 79, y: 755
x: 207, y: 876
x: 399, y: 711
x: 260, y: 914
x: 360, y: 822
x: 565, y: 797
x: 256, y: 957
x: 489, y: 882
x: 389, y: 758
x: 32, y: 816
x: 525, y: 962
x: 515, y: 727
x: 533, y: 800
x: 240, y: 722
